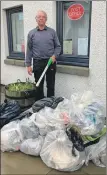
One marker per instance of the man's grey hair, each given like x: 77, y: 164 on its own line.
x: 42, y: 12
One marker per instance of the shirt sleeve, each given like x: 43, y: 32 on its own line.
x: 28, y: 58
x: 57, y: 45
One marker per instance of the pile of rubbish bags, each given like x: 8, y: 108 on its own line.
x: 65, y: 133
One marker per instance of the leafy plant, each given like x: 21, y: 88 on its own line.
x: 20, y: 86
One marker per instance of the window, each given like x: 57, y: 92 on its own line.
x: 15, y: 28
x: 74, y: 35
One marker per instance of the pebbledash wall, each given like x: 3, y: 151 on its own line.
x: 66, y: 84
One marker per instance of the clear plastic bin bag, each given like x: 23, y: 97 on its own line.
x: 87, y: 113
x: 11, y: 137
x: 49, y: 120
x: 32, y: 146
x: 28, y: 128
x: 97, y: 153
x: 58, y: 152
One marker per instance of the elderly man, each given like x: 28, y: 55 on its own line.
x: 42, y: 44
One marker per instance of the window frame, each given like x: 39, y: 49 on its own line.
x: 13, y: 54
x: 67, y: 59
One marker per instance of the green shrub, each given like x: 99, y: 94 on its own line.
x: 20, y: 86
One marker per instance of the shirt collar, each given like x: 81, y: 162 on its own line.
x: 45, y: 28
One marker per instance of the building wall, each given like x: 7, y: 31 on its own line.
x: 65, y: 84
x: 12, y: 73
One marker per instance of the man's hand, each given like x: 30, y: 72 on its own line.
x: 53, y: 58
x: 29, y: 70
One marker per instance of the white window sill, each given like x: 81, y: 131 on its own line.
x: 73, y: 70
x: 14, y: 62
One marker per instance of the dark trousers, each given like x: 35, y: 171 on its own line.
x: 38, y: 68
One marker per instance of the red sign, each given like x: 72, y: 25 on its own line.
x: 75, y: 11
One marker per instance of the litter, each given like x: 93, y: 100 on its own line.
x: 58, y: 152
x: 87, y: 113
x: 97, y: 153
x: 66, y: 135
x: 32, y: 146
x: 49, y: 120
x: 51, y: 102
x: 28, y: 128
x: 8, y: 111
x: 11, y: 137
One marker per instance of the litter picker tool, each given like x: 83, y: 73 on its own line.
x: 43, y: 73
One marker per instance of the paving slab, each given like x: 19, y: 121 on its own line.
x: 19, y: 163
x: 92, y: 169
x: 54, y: 172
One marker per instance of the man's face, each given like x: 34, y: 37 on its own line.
x: 41, y: 19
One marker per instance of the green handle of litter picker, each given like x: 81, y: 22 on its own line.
x: 50, y: 62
